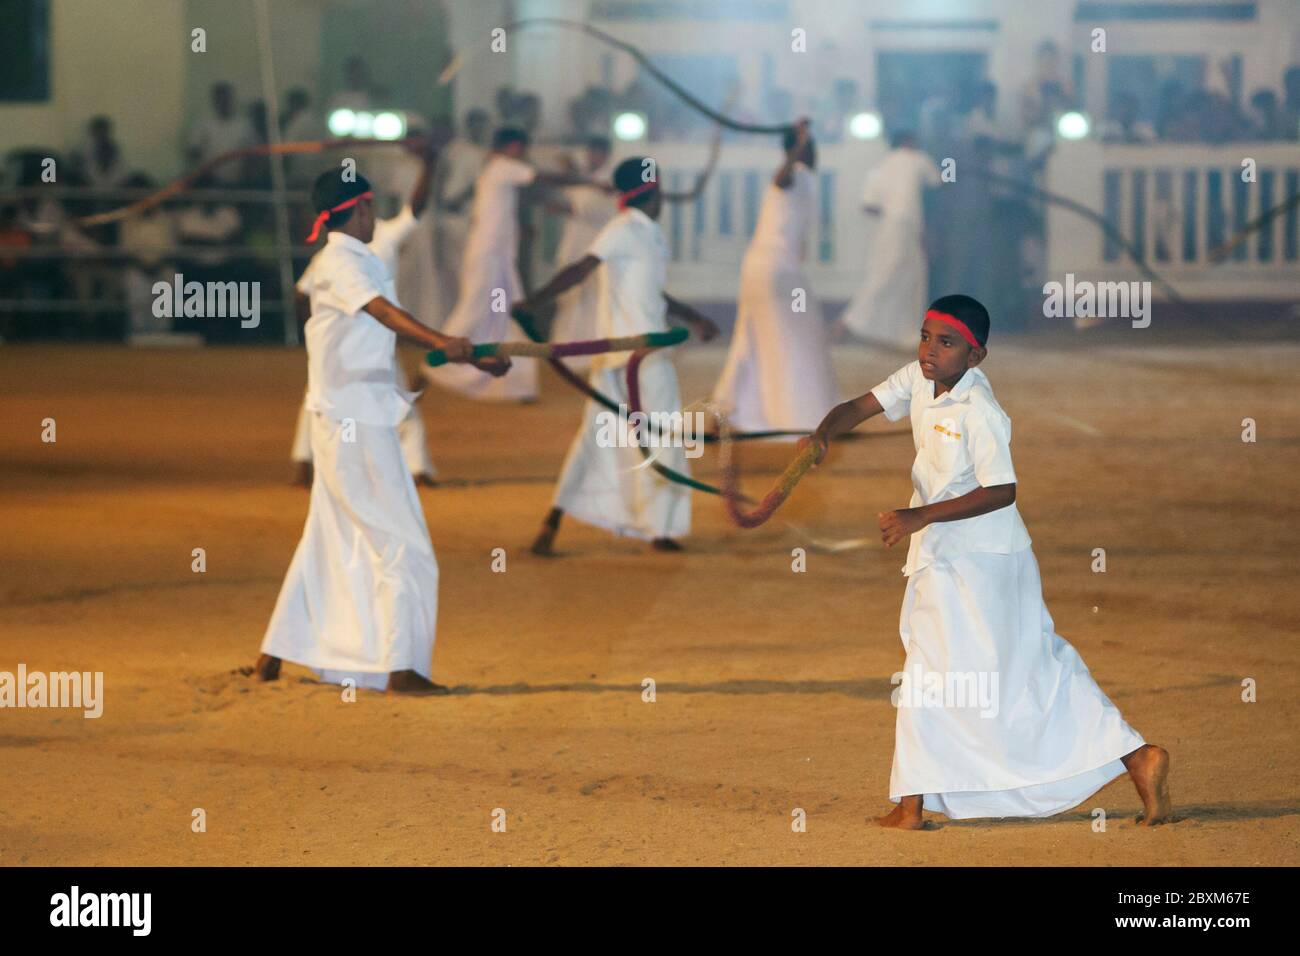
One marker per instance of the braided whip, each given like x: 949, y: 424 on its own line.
x: 641, y: 346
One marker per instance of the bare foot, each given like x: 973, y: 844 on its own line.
x: 267, y: 668
x: 544, y: 543
x: 1149, y: 768
x: 409, y: 682
x: 426, y: 480
x: 666, y: 544
x: 302, y: 475
x: 905, y: 816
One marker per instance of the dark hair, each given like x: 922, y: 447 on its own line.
x: 899, y: 137
x: 506, y: 135
x: 969, y: 311
x: 599, y: 142
x: 330, y: 189
x: 628, y: 176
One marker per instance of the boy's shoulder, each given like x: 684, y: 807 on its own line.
x: 982, y: 400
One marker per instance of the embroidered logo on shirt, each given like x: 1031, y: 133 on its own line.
x: 944, y: 431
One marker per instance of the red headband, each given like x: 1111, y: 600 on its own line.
x: 956, y: 323
x: 632, y: 193
x: 325, y: 214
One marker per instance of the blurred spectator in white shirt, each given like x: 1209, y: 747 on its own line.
x: 225, y: 130
x: 1123, y: 125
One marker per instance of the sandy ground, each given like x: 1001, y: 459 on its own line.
x: 772, y: 686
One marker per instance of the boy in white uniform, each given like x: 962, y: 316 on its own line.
x: 389, y: 236
x: 885, y: 307
x: 973, y: 613
x: 489, y: 275
x: 778, y: 372
x: 610, y: 487
x: 458, y: 168
x: 360, y: 600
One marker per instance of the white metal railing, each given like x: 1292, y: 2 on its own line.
x: 707, y: 237
x: 1176, y: 204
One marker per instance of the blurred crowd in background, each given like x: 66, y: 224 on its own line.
x: 63, y: 281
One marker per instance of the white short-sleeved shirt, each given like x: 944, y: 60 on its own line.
x: 897, y: 185
x: 494, y: 219
x: 351, y: 355
x: 963, y: 442
x: 785, y: 217
x: 215, y: 135
x: 386, y: 243
x: 633, y: 273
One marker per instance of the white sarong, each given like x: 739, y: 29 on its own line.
x: 1052, y: 739
x: 410, y: 432
x: 360, y: 599
x: 889, y: 306
x: 487, y: 279
x: 778, y: 371
x: 613, y: 488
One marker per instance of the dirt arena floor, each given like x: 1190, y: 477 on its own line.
x: 772, y: 686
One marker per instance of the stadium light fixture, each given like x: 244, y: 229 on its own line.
x: 866, y: 125
x: 630, y: 126
x: 342, y: 122
x: 388, y: 125
x: 1072, y: 125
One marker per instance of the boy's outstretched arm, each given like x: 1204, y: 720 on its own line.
x: 701, y: 324
x: 897, y: 525
x: 843, y: 418
x: 526, y: 309
x: 408, y: 326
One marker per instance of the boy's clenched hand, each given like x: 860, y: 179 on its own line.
x: 897, y: 525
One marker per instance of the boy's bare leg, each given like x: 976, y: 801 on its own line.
x: 666, y: 544
x: 266, y: 668
x: 544, y: 543
x: 409, y: 682
x: 303, y: 474
x: 905, y: 816
x: 1149, y: 768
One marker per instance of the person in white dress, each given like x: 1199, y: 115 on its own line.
x: 585, y: 212
x: 389, y: 237
x: 611, y: 487
x: 778, y: 373
x: 453, y: 189
x: 885, y: 308
x: 489, y: 277
x: 359, y: 603
x: 998, y: 715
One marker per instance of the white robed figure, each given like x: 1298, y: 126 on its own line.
x: 585, y: 212
x: 402, y: 245
x: 489, y: 284
x: 1022, y: 729
x: 360, y: 599
x: 390, y: 234
x: 458, y: 169
x: 888, y: 305
x: 997, y: 715
x: 614, y: 488
x: 778, y: 373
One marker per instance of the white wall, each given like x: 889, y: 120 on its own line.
x: 125, y: 59
x: 233, y: 53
